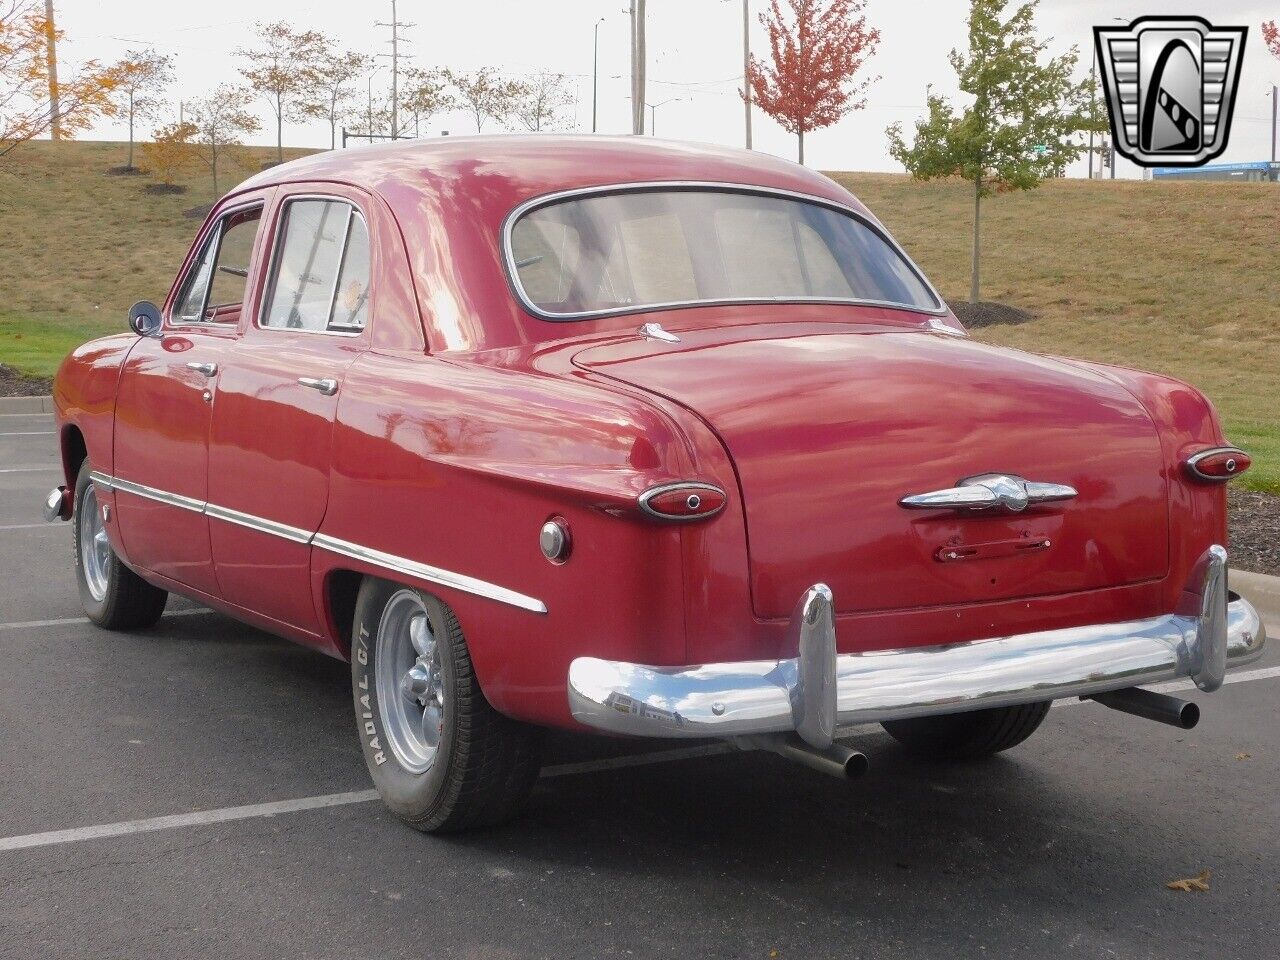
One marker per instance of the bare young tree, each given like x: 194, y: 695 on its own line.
x: 284, y: 71
x: 334, y: 94
x: 424, y: 95
x: 144, y: 76
x: 485, y: 94
x: 543, y: 98
x: 221, y: 119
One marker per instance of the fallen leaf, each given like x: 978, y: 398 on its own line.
x: 1199, y: 884
x: 1243, y: 756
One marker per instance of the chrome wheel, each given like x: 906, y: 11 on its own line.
x: 409, y: 681
x: 95, y: 548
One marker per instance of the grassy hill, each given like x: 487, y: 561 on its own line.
x: 1181, y: 278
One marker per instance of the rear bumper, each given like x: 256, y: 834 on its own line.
x: 817, y: 693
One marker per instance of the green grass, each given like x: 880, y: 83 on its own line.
x: 1181, y: 278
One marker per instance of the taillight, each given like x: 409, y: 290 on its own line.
x: 683, y: 501
x: 1218, y: 464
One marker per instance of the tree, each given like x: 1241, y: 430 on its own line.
x: 1019, y: 128
x: 26, y: 110
x: 541, y: 100
x: 285, y: 71
x: 220, y: 121
x: 332, y: 97
x: 144, y: 76
x: 171, y: 150
x: 810, y: 84
x: 485, y: 94
x: 1271, y: 37
x: 425, y: 94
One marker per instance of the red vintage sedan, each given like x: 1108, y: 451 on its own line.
x: 648, y: 438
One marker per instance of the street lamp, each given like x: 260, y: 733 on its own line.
x: 653, y: 114
x: 595, y: 73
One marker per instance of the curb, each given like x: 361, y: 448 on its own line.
x: 26, y: 404
x: 1261, y: 590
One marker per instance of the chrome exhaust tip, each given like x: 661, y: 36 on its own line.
x: 1153, y: 706
x: 836, y: 760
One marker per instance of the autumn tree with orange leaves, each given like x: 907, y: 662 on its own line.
x: 815, y: 53
x: 1271, y: 37
x: 25, y: 107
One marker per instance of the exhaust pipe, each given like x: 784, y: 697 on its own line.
x: 835, y: 761
x: 1154, y: 706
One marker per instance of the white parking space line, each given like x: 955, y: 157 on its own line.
x: 1173, y: 686
x: 199, y: 819
x: 49, y: 469
x: 64, y: 621
x: 251, y: 811
x: 30, y: 415
x: 30, y: 526
x: 28, y: 433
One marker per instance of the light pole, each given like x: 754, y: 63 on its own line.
x: 1093, y: 98
x: 653, y: 114
x: 746, y: 65
x: 595, y: 73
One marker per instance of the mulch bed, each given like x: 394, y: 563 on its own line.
x: 988, y: 313
x: 1253, y: 540
x: 198, y: 213
x: 15, y: 384
x: 125, y: 171
x: 164, y: 189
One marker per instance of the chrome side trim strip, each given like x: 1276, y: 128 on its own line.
x: 283, y: 530
x: 147, y: 493
x: 423, y: 571
x: 388, y: 561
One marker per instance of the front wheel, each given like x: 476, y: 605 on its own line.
x: 441, y: 757
x: 968, y: 736
x: 112, y: 595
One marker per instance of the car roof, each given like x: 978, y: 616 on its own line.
x: 524, y: 166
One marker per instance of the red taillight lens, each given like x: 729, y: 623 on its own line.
x: 683, y: 501
x: 1218, y: 464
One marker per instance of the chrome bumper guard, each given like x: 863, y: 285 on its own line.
x: 818, y: 693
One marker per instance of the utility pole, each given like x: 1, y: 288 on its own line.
x: 396, y: 26
x: 637, y: 66
x: 1274, y: 93
x: 51, y: 60
x: 595, y: 73
x: 1093, y: 103
x: 746, y: 64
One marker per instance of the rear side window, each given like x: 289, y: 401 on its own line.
x: 320, y: 276
x: 215, y: 288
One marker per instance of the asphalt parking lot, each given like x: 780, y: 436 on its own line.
x: 1061, y: 847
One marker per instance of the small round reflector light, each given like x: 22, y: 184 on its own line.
x: 1218, y: 464
x: 554, y: 540
x: 683, y: 501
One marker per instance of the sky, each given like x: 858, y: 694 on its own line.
x: 695, y: 59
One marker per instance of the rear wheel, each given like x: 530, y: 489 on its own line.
x: 441, y: 757
x: 968, y: 736
x: 112, y: 595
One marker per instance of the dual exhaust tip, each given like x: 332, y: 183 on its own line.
x: 846, y: 763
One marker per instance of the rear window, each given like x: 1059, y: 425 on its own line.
x: 631, y: 250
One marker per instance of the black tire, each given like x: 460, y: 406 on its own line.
x: 128, y: 602
x: 968, y: 736
x: 485, y: 764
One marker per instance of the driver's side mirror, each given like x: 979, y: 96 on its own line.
x: 145, y: 319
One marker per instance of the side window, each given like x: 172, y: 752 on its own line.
x: 320, y: 280
x: 215, y: 288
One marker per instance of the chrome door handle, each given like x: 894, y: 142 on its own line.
x: 208, y: 369
x: 326, y: 386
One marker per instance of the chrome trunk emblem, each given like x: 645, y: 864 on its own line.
x: 990, y: 491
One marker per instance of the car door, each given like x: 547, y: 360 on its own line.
x: 165, y: 400
x: 271, y: 440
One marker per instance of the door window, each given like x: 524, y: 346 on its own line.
x: 215, y: 288
x: 320, y: 280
